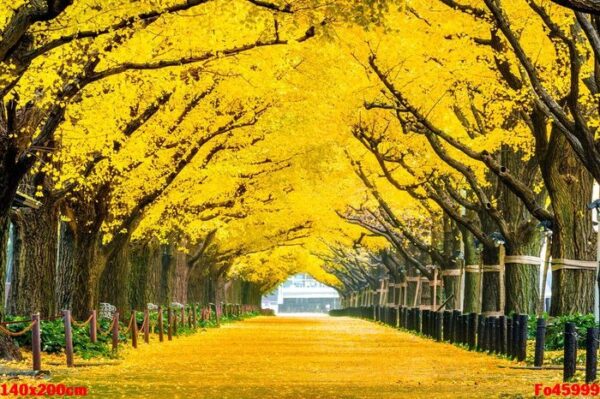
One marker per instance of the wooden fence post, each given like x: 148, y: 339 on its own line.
x: 147, y: 326
x: 36, y: 342
x: 160, y: 324
x: 540, y: 341
x: 68, y: 337
x: 570, y: 354
x: 115, y: 332
x: 175, y: 324
x: 170, y: 323
x: 194, y: 321
x: 94, y: 327
x: 591, y: 354
x: 134, y: 329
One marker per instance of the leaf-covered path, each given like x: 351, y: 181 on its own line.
x: 304, y: 357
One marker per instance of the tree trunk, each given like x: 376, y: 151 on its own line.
x: 570, y: 188
x: 451, y: 248
x: 145, y: 277
x: 180, y: 286
x: 490, y: 299
x: 4, y: 241
x: 88, y: 263
x: 167, y: 272
x: 65, y: 275
x: 114, y: 280
x: 35, y: 262
x: 8, y: 349
x: 251, y: 294
x: 472, y: 277
x: 521, y: 281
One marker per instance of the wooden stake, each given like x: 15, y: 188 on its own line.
x: 36, y: 342
x: 147, y: 326
x: 134, y: 330
x: 68, y: 337
x: 161, y: 337
x: 170, y: 324
x: 94, y: 327
x: 115, y: 332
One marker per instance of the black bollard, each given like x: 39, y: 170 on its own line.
x: 464, y: 336
x: 509, y: 330
x: 522, y: 352
x: 497, y: 335
x: 425, y: 328
x: 431, y: 324
x: 472, y: 334
x: 490, y: 334
x: 447, y: 325
x: 540, y: 341
x: 501, y: 347
x: 480, y: 332
x: 570, y: 354
x: 591, y: 354
x: 515, y: 336
x: 455, y: 325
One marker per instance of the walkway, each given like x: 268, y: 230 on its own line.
x: 304, y: 357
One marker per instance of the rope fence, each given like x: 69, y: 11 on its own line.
x: 177, y: 314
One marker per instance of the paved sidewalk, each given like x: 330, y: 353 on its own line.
x: 304, y: 357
